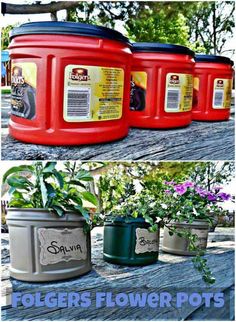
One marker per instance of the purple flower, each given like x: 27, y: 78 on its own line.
x: 201, y: 192
x: 180, y: 189
x: 169, y: 183
x: 188, y: 184
x: 224, y: 196
x: 211, y: 197
x: 168, y: 192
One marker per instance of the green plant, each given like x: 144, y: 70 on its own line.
x: 43, y: 186
x: 141, y: 204
x: 175, y: 202
x: 187, y: 202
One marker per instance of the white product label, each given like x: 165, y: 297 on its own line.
x: 93, y: 93
x: 179, y: 93
x: 62, y: 245
x: 222, y: 93
x: 202, y: 237
x: 146, y: 241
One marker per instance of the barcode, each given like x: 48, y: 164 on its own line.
x: 172, y: 100
x: 219, y: 98
x: 78, y: 103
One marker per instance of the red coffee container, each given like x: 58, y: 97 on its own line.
x: 212, y: 88
x: 161, y: 86
x: 70, y: 83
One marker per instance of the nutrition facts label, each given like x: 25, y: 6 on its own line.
x: 93, y: 93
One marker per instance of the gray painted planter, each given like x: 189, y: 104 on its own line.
x: 179, y: 245
x: 45, y: 247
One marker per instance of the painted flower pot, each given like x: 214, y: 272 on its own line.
x: 178, y: 245
x: 45, y: 247
x: 215, y: 220
x: 127, y: 241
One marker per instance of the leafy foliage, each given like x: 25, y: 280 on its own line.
x: 118, y: 183
x: 211, y: 23
x: 156, y: 27
x: 161, y: 200
x: 210, y: 174
x: 5, y: 36
x: 204, y: 26
x: 46, y: 187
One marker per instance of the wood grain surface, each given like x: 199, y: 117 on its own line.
x: 199, y: 141
x: 170, y: 273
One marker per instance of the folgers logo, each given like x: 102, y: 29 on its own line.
x: 220, y: 83
x: 17, y: 77
x: 79, y: 74
x: 174, y: 79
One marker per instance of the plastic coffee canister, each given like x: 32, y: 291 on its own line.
x: 70, y: 83
x: 212, y: 88
x: 161, y: 85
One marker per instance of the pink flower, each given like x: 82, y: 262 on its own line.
x: 188, y: 184
x: 180, y: 189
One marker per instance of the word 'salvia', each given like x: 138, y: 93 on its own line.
x: 55, y: 249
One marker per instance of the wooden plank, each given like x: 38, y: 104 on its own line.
x: 199, y: 141
x: 216, y: 315
x: 170, y: 273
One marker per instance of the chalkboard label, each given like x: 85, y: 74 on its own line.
x: 146, y: 241
x: 62, y: 245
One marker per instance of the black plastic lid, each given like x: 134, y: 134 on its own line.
x: 213, y: 59
x: 68, y: 28
x: 155, y: 47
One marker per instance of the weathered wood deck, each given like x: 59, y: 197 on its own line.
x: 170, y: 273
x: 199, y: 141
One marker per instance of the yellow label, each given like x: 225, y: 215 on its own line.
x: 138, y: 91
x: 23, y: 89
x: 179, y: 92
x: 93, y: 93
x: 196, y: 83
x: 222, y: 93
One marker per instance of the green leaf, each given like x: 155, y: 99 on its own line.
x: 19, y: 182
x: 84, y: 175
x: 20, y: 203
x: 43, y: 191
x: 11, y: 190
x: 77, y: 183
x: 58, y: 210
x: 83, y: 212
x: 50, y: 190
x: 149, y: 220
x: 17, y: 194
x: 17, y: 170
x: 49, y: 167
x: 89, y: 197
x: 76, y: 198
x: 59, y: 178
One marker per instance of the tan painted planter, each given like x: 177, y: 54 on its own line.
x: 45, y: 247
x: 179, y: 245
